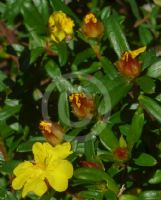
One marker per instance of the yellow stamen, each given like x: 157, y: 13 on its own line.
x: 77, y: 97
x: 45, y: 126
x: 90, y: 17
x: 136, y: 52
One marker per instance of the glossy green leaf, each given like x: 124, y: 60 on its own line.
x: 89, y: 147
x: 146, y: 84
x: 135, y: 128
x: 82, y: 57
x: 150, y: 195
x: 156, y: 178
x: 42, y: 6
x: 27, y: 146
x: 108, y: 138
x: 128, y: 197
x: 63, y: 109
x: 8, y: 111
x: 3, y: 86
x: 92, y: 174
x: 116, y: 35
x: 94, y: 67
x: 8, y: 166
x: 151, y: 106
x: 119, y: 90
x: 148, y: 58
x: 12, y: 9
x: 134, y: 7
x: 154, y: 70
x: 52, y: 69
x: 109, y: 68
x: 30, y: 11
x: 91, y: 194
x: 7, y: 195
x: 61, y: 50
x: 145, y: 160
x: 145, y: 35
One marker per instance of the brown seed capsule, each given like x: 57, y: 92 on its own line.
x: 82, y: 105
x: 128, y: 65
x: 53, y: 132
x: 92, y: 27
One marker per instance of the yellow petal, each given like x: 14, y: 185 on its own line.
x: 61, y: 151
x: 35, y: 185
x: 136, y: 52
x: 39, y: 152
x: 58, y: 182
x: 22, y: 168
x: 65, y: 168
x: 60, y: 167
x: 23, y: 172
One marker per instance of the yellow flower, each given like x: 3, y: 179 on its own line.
x: 53, y: 132
x: 92, y: 27
x: 61, y: 26
x: 128, y: 65
x: 83, y: 106
x: 49, y: 169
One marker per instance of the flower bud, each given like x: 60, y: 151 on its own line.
x: 90, y: 164
x: 60, y: 26
x: 92, y: 27
x: 53, y: 132
x: 128, y: 65
x: 121, y: 153
x: 82, y: 105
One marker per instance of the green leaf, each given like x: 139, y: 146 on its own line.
x: 30, y: 11
x: 7, y: 195
x: 110, y: 195
x: 12, y: 9
x: 95, y: 66
x: 156, y: 178
x: 148, y: 58
x: 3, y: 86
x: 63, y: 109
x: 146, y: 84
x: 82, y: 57
x: 116, y: 35
x: 128, y: 197
x: 150, y: 195
x: 134, y: 8
x: 135, y: 128
x: 27, y: 146
x: 42, y: 7
x: 92, y: 174
x: 8, y: 166
x: 119, y: 89
x: 108, y: 139
x: 151, y: 106
x: 145, y: 35
x: 35, y: 53
x: 92, y: 194
x: 145, y: 160
x: 62, y: 52
x: 154, y: 70
x: 8, y: 111
x: 59, y: 5
x: 89, y: 148
x: 52, y: 69
x: 109, y: 68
